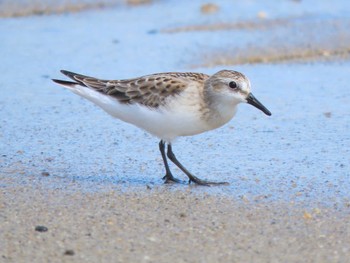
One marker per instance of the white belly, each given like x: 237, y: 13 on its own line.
x: 178, y: 118
x: 181, y: 116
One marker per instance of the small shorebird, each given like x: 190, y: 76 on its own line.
x: 169, y: 105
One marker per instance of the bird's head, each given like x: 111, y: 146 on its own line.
x: 234, y: 87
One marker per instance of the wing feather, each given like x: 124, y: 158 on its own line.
x: 150, y: 90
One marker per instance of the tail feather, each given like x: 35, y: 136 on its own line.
x: 65, y: 83
x: 73, y: 76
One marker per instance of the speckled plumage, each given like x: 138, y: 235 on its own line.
x: 151, y: 90
x: 166, y: 105
x: 169, y: 105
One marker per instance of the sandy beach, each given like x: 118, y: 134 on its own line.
x: 162, y: 225
x: 79, y: 186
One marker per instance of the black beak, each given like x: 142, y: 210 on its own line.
x: 257, y: 104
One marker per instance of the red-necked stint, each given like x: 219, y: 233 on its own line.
x: 169, y: 105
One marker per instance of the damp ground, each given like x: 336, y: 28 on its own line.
x: 77, y: 184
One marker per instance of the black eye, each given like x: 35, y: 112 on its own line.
x: 233, y: 85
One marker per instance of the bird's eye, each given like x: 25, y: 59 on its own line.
x: 233, y: 85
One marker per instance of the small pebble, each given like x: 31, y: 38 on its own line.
x: 182, y: 215
x: 69, y: 252
x: 138, y: 2
x: 307, y: 216
x: 41, y: 228
x: 262, y: 15
x: 327, y: 114
x: 209, y: 8
x: 45, y: 173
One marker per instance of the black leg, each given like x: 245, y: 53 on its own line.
x: 169, y: 178
x: 191, y: 177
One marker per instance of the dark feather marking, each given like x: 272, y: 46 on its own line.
x: 119, y: 95
x: 152, y: 93
x: 132, y: 93
x: 67, y: 83
x: 143, y: 87
x: 163, y: 92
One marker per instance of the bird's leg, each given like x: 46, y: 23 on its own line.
x: 191, y: 177
x: 169, y: 178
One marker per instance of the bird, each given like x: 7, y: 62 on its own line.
x: 169, y: 105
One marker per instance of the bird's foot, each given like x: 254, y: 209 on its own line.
x: 170, y: 179
x: 196, y: 180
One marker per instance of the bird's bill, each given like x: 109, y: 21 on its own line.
x: 257, y: 104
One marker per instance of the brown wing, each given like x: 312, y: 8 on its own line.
x: 151, y: 90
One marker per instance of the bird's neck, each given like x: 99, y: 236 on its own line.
x: 220, y: 110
